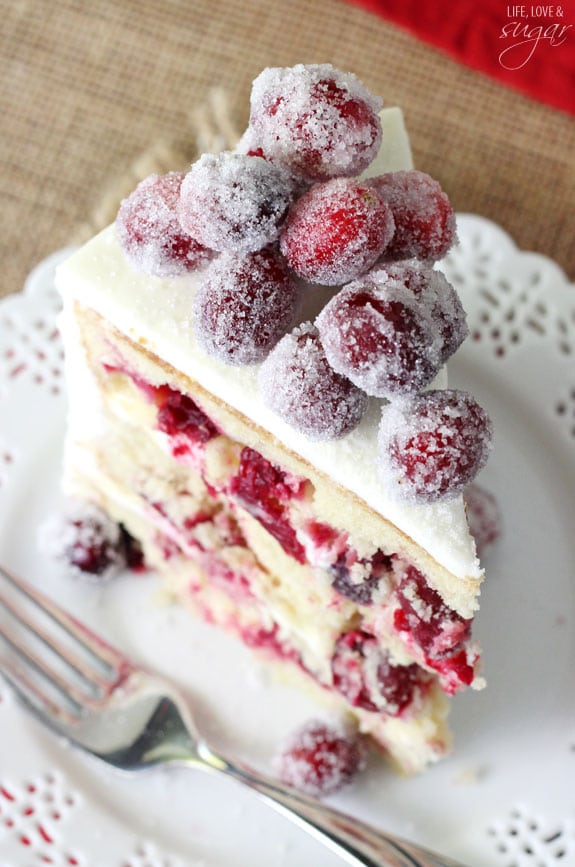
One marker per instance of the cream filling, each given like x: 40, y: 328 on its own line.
x: 157, y: 314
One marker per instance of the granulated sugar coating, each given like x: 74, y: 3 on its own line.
x: 443, y: 304
x: 424, y: 219
x: 315, y: 120
x: 244, y: 305
x: 297, y: 382
x: 85, y: 541
x: 380, y: 335
x: 320, y: 758
x: 432, y: 445
x: 234, y: 202
x: 336, y: 231
x: 150, y: 233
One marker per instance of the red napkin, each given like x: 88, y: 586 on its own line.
x: 528, y: 46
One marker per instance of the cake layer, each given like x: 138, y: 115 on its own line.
x: 296, y: 566
x: 292, y: 544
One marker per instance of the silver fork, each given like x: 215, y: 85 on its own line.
x: 88, y: 692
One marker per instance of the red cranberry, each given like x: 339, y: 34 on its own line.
x: 375, y: 332
x: 320, y: 759
x: 265, y: 491
x: 434, y: 627
x: 336, y: 231
x: 424, y: 219
x: 432, y: 445
x: 244, y: 306
x: 178, y: 414
x: 316, y: 121
x: 234, y: 202
x: 297, y: 382
x: 441, y: 633
x: 363, y: 673
x: 483, y: 515
x: 150, y: 233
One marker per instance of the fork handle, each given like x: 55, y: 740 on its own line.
x: 356, y: 842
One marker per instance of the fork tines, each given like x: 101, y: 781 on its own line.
x: 51, y: 660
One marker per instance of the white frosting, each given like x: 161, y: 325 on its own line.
x: 159, y: 312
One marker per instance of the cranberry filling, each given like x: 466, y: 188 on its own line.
x: 363, y: 673
x: 434, y: 627
x: 267, y: 639
x: 264, y: 490
x: 178, y: 414
x: 369, y: 572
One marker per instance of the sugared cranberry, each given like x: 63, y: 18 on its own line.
x: 150, y: 233
x: 244, y: 306
x: 297, y: 382
x: 358, y: 579
x: 375, y: 332
x: 336, y: 231
x: 432, y: 445
x: 435, y: 295
x: 264, y: 491
x: 320, y: 759
x: 424, y: 219
x: 483, y: 515
x: 316, y: 121
x: 178, y: 414
x: 234, y: 202
x: 85, y: 540
x: 364, y: 674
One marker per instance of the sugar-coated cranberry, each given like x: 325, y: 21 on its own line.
x: 376, y: 332
x: 432, y: 445
x: 436, y: 295
x: 245, y: 305
x: 178, y: 414
x: 320, y: 758
x: 358, y: 579
x: 150, y: 233
x: 297, y: 382
x: 336, y: 231
x: 315, y: 120
x: 85, y: 540
x: 363, y: 673
x: 484, y: 516
x: 424, y: 219
x: 234, y: 202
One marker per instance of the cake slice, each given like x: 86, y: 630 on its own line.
x: 235, y: 442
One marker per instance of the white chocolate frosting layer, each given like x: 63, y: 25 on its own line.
x: 158, y: 314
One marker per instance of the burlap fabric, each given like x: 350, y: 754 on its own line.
x: 97, y: 93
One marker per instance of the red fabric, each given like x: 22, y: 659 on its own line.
x: 476, y: 33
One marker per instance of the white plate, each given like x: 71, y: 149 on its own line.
x: 506, y: 797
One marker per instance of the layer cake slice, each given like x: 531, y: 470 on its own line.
x: 290, y: 539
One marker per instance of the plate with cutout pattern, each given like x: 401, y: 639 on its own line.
x: 504, y: 798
